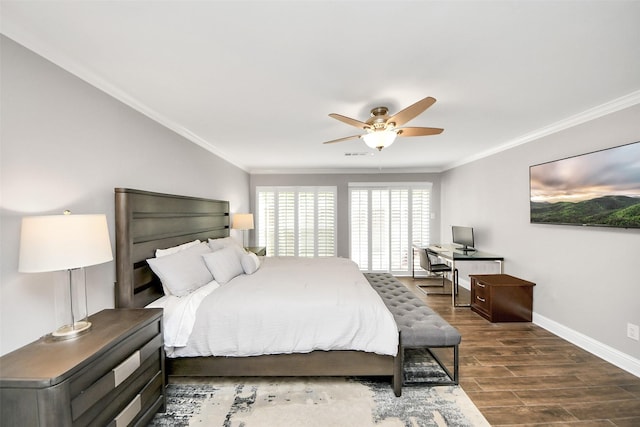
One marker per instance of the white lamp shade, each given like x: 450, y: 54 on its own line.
x: 242, y: 221
x: 380, y: 139
x: 63, y: 242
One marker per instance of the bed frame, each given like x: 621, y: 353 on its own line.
x: 147, y: 221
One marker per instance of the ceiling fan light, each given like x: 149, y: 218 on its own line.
x: 379, y: 139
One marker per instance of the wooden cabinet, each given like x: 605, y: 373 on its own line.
x: 258, y: 250
x: 501, y: 297
x: 113, y: 375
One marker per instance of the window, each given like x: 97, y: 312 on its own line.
x: 297, y: 221
x: 385, y: 221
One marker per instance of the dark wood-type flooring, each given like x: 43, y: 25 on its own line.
x: 519, y: 374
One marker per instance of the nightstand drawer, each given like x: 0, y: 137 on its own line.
x: 141, y: 391
x: 143, y: 400
x: 118, y: 354
x: 129, y: 368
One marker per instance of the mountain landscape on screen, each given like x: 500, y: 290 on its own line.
x: 598, y: 189
x: 609, y: 211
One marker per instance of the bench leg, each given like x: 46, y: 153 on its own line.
x: 456, y: 369
x: 398, y: 370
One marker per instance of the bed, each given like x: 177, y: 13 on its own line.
x: 146, y: 221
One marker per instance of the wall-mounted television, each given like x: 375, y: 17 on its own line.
x: 601, y: 189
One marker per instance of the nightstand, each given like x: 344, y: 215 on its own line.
x: 258, y: 250
x: 112, y: 375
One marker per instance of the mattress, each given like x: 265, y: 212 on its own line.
x: 289, y: 305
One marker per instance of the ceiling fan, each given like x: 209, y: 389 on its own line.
x: 383, y: 129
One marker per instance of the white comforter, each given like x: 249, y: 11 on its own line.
x: 290, y: 305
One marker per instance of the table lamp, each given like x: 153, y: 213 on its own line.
x: 243, y: 221
x: 66, y: 242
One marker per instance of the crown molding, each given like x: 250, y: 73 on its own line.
x: 62, y: 61
x: 617, y: 104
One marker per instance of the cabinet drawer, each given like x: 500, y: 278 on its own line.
x: 481, y: 296
x: 114, y: 378
x: 118, y: 354
x: 139, y: 404
x: 107, y: 408
x: 151, y: 411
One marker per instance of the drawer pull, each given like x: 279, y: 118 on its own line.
x: 480, y: 285
x: 127, y: 415
x: 481, y: 299
x: 126, y: 368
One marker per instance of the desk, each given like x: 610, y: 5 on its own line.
x: 452, y: 255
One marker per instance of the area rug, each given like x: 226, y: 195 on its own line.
x: 317, y: 401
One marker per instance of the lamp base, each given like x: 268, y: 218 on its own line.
x: 68, y: 332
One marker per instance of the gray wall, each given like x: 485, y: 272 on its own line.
x: 341, y: 181
x: 66, y: 145
x: 588, y: 279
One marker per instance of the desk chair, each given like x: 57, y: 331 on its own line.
x: 429, y: 262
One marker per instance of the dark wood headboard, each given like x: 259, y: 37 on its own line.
x: 147, y: 221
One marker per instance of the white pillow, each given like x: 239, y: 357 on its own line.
x: 217, y: 244
x: 174, y: 249
x: 224, y: 264
x: 250, y: 262
x: 184, y: 271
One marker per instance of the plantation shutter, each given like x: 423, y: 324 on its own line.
x: 385, y: 221
x: 359, y: 227
x: 297, y: 221
x: 399, y: 234
x: 326, y: 223
x: 420, y: 214
x: 306, y: 223
x: 285, y: 232
x: 265, y: 221
x: 379, y: 230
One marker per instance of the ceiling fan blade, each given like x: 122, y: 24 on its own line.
x: 349, y: 121
x: 419, y: 131
x: 411, y: 111
x: 346, y: 138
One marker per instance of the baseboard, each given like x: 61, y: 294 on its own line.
x: 611, y: 355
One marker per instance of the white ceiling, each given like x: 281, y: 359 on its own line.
x: 254, y: 82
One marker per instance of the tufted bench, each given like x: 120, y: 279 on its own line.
x: 419, y: 325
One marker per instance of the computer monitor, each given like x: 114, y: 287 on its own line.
x: 463, y: 236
